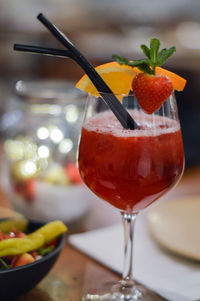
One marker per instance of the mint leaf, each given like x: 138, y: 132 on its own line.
x: 124, y: 61
x: 154, y: 47
x: 146, y: 50
x: 137, y: 63
x: 145, y: 68
x: 120, y: 60
x: 154, y: 57
x: 142, y: 65
x: 164, y: 54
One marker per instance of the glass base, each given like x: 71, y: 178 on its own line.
x: 119, y: 292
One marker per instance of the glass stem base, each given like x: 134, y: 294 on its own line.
x: 120, y: 292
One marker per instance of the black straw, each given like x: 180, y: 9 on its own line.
x: 122, y: 115
x: 72, y: 52
x: 43, y: 50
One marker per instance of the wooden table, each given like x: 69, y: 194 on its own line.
x: 74, y: 272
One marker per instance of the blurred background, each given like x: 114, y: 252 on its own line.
x: 98, y: 29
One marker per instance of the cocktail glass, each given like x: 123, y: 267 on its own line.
x: 130, y: 169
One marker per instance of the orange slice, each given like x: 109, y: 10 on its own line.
x: 177, y: 81
x: 119, y: 78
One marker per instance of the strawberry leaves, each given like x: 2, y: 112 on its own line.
x: 154, y: 47
x: 164, y: 54
x: 154, y: 57
x: 146, y: 50
x: 141, y: 64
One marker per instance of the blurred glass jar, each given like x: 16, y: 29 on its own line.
x: 40, y: 173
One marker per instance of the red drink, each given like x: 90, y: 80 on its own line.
x: 130, y: 168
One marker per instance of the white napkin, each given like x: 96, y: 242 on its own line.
x: 153, y: 266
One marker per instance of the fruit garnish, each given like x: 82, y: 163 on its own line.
x: 119, y: 78
x: 150, y: 89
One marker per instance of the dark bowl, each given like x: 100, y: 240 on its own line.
x: 18, y: 281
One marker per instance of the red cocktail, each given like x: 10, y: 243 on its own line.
x: 130, y: 169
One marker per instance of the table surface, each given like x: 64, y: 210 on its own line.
x: 74, y: 272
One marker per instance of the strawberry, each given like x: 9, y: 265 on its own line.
x: 151, y: 90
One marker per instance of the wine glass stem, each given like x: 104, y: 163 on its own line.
x: 128, y: 220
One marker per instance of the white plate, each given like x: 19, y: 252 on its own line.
x: 176, y: 225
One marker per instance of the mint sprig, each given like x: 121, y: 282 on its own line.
x: 154, y: 57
